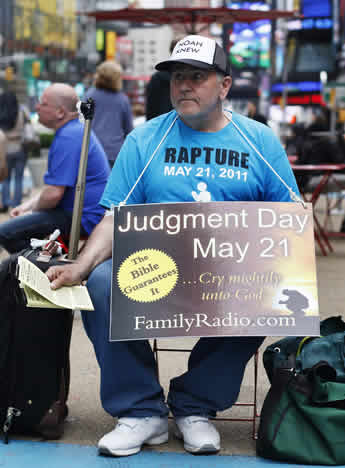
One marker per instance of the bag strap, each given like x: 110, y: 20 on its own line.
x: 304, y: 341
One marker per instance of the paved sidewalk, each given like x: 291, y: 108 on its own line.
x: 37, y: 455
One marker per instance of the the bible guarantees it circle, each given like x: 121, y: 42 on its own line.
x: 147, y: 275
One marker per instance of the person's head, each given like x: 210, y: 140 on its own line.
x: 108, y: 76
x: 251, y: 108
x: 173, y: 44
x: 57, y: 105
x: 200, y: 78
x: 319, y: 115
x: 138, y: 109
x: 319, y: 120
x: 8, y: 110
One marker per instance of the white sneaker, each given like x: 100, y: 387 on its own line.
x: 198, y: 433
x: 131, y: 433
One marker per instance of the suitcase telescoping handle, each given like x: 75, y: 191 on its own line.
x: 87, y: 109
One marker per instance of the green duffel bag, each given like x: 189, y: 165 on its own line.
x: 308, y: 351
x: 303, y: 417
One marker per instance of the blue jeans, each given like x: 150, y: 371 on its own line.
x: 16, y: 164
x: 129, y: 384
x: 15, y: 234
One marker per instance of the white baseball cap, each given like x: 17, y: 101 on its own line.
x: 199, y: 52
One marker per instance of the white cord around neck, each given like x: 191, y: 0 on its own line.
x: 293, y: 195
x: 148, y: 162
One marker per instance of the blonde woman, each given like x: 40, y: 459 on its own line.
x: 113, y: 118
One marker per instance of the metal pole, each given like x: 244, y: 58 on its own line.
x: 334, y: 113
x: 285, y: 91
x: 273, y: 48
x: 87, y: 109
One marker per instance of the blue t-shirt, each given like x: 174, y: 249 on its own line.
x: 199, y: 166
x: 63, y: 166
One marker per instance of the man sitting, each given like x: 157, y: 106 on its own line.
x: 52, y: 208
x: 130, y: 390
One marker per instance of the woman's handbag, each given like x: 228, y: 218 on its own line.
x: 303, y: 415
x: 30, y: 139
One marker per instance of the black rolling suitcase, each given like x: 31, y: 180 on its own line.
x: 34, y: 358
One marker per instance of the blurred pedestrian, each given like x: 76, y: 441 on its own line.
x: 12, y: 121
x: 253, y: 112
x: 319, y: 146
x: 158, y: 92
x: 315, y: 146
x: 3, y: 150
x: 113, y: 118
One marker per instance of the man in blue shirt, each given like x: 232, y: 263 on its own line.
x: 214, y: 149
x: 52, y: 207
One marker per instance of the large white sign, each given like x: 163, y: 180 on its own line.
x: 210, y: 269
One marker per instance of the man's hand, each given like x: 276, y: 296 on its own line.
x: 65, y: 275
x: 25, y: 207
x: 47, y: 199
x: 18, y: 211
x: 97, y: 250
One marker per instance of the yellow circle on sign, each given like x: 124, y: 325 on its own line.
x: 147, y: 275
